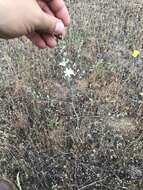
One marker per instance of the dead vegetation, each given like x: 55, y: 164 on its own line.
x: 80, y: 134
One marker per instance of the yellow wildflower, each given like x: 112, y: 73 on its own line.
x: 136, y: 53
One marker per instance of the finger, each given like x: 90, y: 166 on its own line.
x: 50, y: 40
x: 49, y: 24
x: 60, y: 10
x: 43, y: 40
x: 44, y: 6
x: 37, y: 40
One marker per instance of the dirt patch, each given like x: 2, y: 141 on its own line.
x: 126, y: 126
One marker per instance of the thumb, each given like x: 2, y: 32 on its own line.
x: 50, y: 24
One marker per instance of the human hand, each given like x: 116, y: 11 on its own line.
x: 40, y: 20
x: 54, y: 8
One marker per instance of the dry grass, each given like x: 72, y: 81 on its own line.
x: 84, y: 133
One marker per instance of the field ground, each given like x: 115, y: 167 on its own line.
x: 85, y: 133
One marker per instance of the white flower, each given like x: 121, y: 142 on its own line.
x: 69, y: 72
x: 63, y: 64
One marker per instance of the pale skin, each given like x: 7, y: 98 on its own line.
x: 40, y: 20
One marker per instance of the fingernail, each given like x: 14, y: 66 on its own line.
x: 59, y: 28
